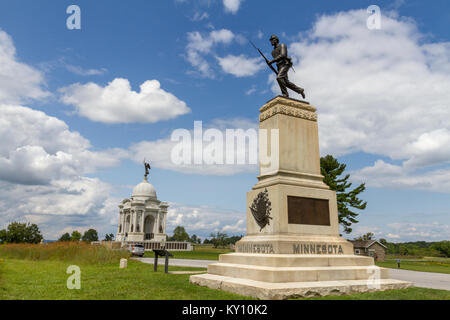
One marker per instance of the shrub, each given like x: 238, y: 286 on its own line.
x: 77, y: 252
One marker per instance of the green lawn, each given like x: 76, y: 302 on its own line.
x: 25, y: 279
x: 405, y: 294
x: 425, y: 266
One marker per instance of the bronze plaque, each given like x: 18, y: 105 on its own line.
x: 308, y: 211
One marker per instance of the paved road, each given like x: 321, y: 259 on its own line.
x: 179, y: 262
x: 420, y: 279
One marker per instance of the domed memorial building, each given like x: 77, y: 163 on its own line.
x: 142, y: 218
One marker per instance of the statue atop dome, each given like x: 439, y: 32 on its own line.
x: 147, y: 169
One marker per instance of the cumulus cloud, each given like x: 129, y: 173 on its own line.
x: 118, y: 103
x: 381, y: 92
x: 42, y: 167
x: 406, y: 231
x: 43, y: 163
x: 65, y: 203
x: 18, y: 82
x: 201, y: 47
x: 240, y: 66
x: 37, y: 148
x: 232, y: 6
x: 204, y: 220
x: 383, y: 174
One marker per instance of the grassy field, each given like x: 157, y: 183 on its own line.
x: 39, y: 272
x: 46, y: 279
x: 424, y: 266
x: 405, y: 294
x: 76, y: 252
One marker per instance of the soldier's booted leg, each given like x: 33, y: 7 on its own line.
x: 295, y: 88
x: 282, y: 84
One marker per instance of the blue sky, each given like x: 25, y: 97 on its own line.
x: 68, y: 157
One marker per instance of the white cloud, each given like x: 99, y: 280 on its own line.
x: 42, y: 164
x: 260, y: 34
x: 240, y: 66
x: 118, y: 103
x: 200, y: 16
x: 37, y: 148
x: 66, y: 203
x: 222, y: 36
x: 232, y: 6
x: 409, y: 231
x: 204, y: 220
x: 380, y: 92
x: 250, y: 91
x: 201, y: 46
x: 383, y: 174
x: 18, y: 81
x: 85, y: 72
x: 406, y: 231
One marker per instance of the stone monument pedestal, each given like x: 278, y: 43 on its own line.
x: 293, y: 247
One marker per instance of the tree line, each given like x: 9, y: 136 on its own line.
x: 419, y: 248
x: 17, y: 232
x: 218, y: 239
x: 88, y: 236
x: 416, y: 248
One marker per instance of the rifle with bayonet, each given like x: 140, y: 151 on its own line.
x: 267, y: 61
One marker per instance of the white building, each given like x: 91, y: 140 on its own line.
x: 142, y: 218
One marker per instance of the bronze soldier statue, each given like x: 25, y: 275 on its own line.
x: 147, y: 168
x: 284, y: 63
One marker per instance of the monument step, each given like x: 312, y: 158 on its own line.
x: 297, y: 274
x: 295, y: 260
x: 286, y: 290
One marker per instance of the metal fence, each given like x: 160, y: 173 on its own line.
x: 169, y: 245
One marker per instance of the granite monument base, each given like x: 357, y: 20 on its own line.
x: 283, y: 276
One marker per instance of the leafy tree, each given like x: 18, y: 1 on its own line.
x: 109, y: 237
x: 219, y: 239
x: 195, y: 239
x: 76, y: 236
x: 443, y: 247
x: 234, y: 239
x: 180, y: 234
x: 21, y: 233
x: 65, y: 237
x: 90, y: 235
x: 331, y: 169
x: 3, y: 236
x: 367, y: 236
x: 384, y: 242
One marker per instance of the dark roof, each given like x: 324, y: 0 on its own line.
x: 365, y: 243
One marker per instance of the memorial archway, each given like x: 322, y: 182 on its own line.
x: 149, y: 226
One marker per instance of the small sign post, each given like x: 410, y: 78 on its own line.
x: 163, y: 253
